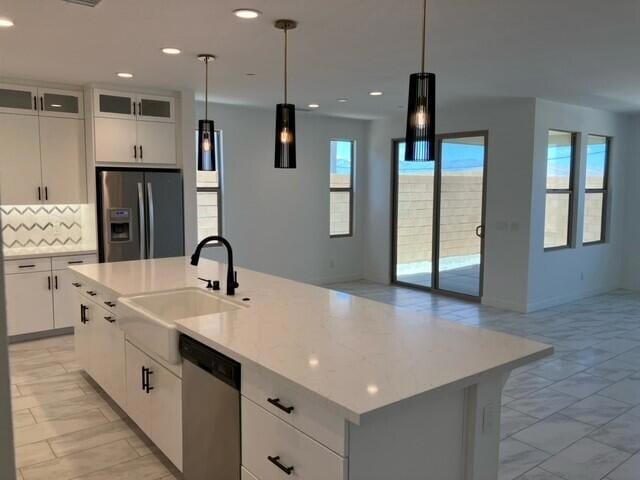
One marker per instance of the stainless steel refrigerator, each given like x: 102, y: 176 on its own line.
x: 140, y: 214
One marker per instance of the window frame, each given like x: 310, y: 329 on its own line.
x: 570, y: 190
x: 349, y: 189
x: 218, y: 146
x: 604, y: 191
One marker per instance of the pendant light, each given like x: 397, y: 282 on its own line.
x: 206, y: 147
x: 421, y: 112
x: 285, y: 152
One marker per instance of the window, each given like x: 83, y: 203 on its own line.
x: 559, y: 197
x: 596, y: 189
x: 341, y: 188
x: 209, y: 199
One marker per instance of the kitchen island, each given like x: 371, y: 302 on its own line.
x: 379, y: 392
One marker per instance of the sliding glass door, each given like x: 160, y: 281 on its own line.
x: 438, y: 216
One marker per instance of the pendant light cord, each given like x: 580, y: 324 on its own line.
x: 206, y: 88
x: 285, y: 65
x: 424, y: 36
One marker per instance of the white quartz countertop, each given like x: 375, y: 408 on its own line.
x: 39, y: 252
x: 358, y: 354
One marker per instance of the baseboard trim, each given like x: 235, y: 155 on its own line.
x: 26, y: 337
x: 555, y: 301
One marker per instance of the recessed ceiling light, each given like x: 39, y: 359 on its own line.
x: 125, y: 75
x: 313, y: 105
x: 375, y: 94
x: 250, y: 74
x: 342, y: 100
x: 246, y: 13
x: 6, y: 22
x: 171, y: 51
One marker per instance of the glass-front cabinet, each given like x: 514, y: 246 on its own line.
x: 60, y: 103
x: 18, y: 99
x: 131, y: 106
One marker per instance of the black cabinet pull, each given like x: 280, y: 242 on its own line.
x: 75, y: 262
x: 110, y: 319
x: 55, y: 280
x: 140, y: 108
x: 276, y: 403
x: 91, y: 293
x: 46, y: 193
x: 35, y: 103
x: 144, y: 383
x: 134, y: 108
x: 110, y: 304
x: 135, y: 151
x: 140, y: 152
x: 27, y: 266
x: 148, y: 386
x: 49, y: 282
x: 39, y: 193
x: 276, y: 462
x: 42, y: 103
x: 83, y: 314
x: 76, y: 284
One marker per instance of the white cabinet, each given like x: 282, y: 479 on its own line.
x: 82, y: 332
x: 42, y: 158
x: 63, y: 300
x: 154, y: 402
x: 20, y: 177
x: 64, y: 177
x: 29, y: 305
x: 134, y: 128
x: 108, y: 354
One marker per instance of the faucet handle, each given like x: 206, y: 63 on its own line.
x: 209, y: 284
x: 235, y: 279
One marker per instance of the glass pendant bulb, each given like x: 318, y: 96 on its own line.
x: 206, y: 127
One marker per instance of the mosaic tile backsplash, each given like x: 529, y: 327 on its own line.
x: 47, y: 226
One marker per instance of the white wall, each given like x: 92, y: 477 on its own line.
x: 563, y: 275
x: 631, y: 259
x: 278, y: 220
x: 510, y: 127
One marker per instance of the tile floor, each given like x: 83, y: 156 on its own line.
x: 66, y: 428
x: 572, y: 416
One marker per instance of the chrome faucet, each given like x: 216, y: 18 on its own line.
x: 232, y: 276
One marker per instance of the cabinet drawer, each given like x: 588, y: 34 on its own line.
x: 60, y: 263
x: 310, y: 413
x: 95, y: 293
x: 269, y: 446
x: 27, y: 265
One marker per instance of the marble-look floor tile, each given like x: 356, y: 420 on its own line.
x: 632, y: 357
x: 557, y: 369
x: 627, y: 390
x: 539, y: 474
x: 613, y: 370
x: 68, y: 407
x: 589, y: 356
x: 51, y: 384
x: 596, y: 410
x: 617, y: 345
x: 81, y: 463
x: 518, y: 386
x: 54, y: 428
x: 89, y: 438
x: 554, y: 433
x: 33, y: 453
x: 64, y: 393
x: 629, y: 470
x: 517, y: 458
x: 36, y: 374
x: 542, y: 403
x: 143, y: 468
x: 512, y: 421
x: 622, y: 433
x: 22, y: 418
x: 585, y: 460
x: 581, y: 385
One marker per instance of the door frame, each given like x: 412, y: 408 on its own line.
x: 434, y: 288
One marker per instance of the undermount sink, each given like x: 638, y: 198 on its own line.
x: 150, y: 318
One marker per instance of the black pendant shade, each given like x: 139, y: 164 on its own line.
x: 285, y: 154
x: 421, y: 118
x: 206, y: 146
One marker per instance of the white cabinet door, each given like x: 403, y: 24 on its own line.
x: 166, y: 413
x: 82, y: 322
x: 18, y: 99
x: 115, y: 140
x: 138, y: 404
x: 111, y: 104
x: 157, y: 142
x: 155, y: 108
x: 60, y: 103
x: 20, y: 180
x: 108, y: 355
x: 64, y: 300
x: 29, y: 302
x: 64, y: 177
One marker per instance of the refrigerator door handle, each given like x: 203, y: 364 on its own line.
x: 152, y: 233
x: 142, y: 221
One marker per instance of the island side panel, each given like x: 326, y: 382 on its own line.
x: 431, y: 436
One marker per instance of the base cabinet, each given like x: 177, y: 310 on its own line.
x: 154, y: 402
x: 29, y: 306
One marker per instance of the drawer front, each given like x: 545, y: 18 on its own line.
x: 95, y: 293
x: 27, y: 265
x: 270, y: 447
x: 60, y: 263
x: 246, y: 474
x: 297, y: 407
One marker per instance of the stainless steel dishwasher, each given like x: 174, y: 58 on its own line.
x: 210, y: 413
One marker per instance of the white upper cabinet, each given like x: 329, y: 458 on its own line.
x: 134, y: 128
x: 64, y: 176
x: 18, y: 99
x: 60, y: 103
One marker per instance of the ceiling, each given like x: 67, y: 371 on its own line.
x: 584, y: 52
